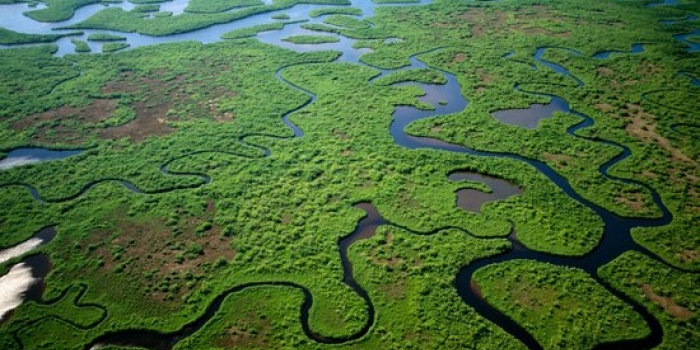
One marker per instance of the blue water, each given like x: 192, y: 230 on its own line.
x: 636, y: 48
x: 25, y: 156
x: 664, y: 3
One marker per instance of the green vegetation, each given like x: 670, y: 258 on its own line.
x: 58, y: 10
x: 281, y: 16
x: 124, y: 21
x: 146, y: 8
x: 80, y: 46
x: 191, y: 185
x: 215, y: 6
x: 8, y: 37
x: 254, y: 30
x: 563, y: 308
x: 346, y: 22
x: 670, y: 295
x: 162, y: 14
x: 426, y: 76
x: 104, y: 37
x: 311, y: 39
x: 111, y: 47
x: 351, y: 11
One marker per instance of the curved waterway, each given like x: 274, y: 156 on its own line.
x: 616, y: 237
x: 615, y: 241
x: 365, y: 229
x: 11, y: 17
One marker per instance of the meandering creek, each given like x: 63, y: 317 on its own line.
x: 616, y: 238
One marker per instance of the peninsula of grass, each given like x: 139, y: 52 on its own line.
x: 80, y: 46
x: 58, y: 10
x: 425, y: 76
x: 112, y: 47
x: 311, y: 39
x: 9, y: 37
x: 254, y: 30
x: 561, y: 307
x: 146, y: 8
x: 670, y: 295
x: 217, y: 6
x: 348, y: 22
x: 350, y: 11
x: 105, y: 37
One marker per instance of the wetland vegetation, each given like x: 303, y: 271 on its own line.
x: 364, y: 192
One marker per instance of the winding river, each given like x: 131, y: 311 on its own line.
x: 615, y: 241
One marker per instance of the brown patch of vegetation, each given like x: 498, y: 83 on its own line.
x: 459, y: 58
x: 436, y: 129
x: 249, y: 332
x: 484, y: 76
x: 529, y: 296
x: 157, y: 95
x: 346, y: 153
x: 643, y: 126
x: 394, y: 290
x: 649, y: 174
x: 688, y: 255
x: 605, y: 71
x: 51, y: 125
x: 560, y: 160
x: 480, y: 20
x: 408, y: 200
x: 632, y: 200
x: 667, y: 303
x: 151, y: 110
x: 340, y: 134
x: 649, y: 69
x: 604, y: 107
x: 140, y: 247
x: 392, y: 261
x: 526, y: 28
x: 531, y: 299
x: 538, y: 12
